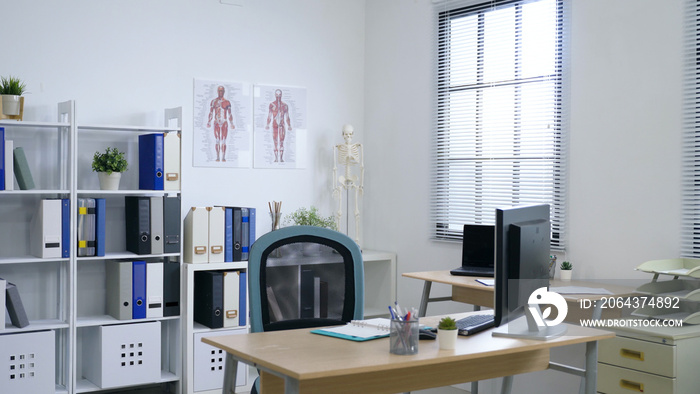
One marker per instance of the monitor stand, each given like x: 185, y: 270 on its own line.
x: 525, y: 327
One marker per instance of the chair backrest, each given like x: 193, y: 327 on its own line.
x: 304, y: 276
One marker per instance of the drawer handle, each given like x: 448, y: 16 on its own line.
x: 200, y: 250
x: 634, y: 386
x: 633, y: 354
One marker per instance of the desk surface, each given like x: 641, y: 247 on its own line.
x: 320, y: 362
x: 469, y: 282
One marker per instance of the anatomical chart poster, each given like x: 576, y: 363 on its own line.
x: 280, y: 126
x: 222, y: 125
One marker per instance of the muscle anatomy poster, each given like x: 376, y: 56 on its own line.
x: 222, y: 125
x: 280, y: 126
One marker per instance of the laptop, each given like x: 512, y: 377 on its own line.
x: 477, y: 251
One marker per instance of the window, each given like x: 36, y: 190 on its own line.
x: 500, y: 113
x: 690, y: 216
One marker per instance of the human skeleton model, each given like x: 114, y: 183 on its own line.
x: 278, y: 114
x: 348, y: 155
x: 219, y: 109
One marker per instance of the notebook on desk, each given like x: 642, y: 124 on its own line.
x: 477, y: 251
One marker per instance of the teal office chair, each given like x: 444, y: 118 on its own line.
x: 304, y: 276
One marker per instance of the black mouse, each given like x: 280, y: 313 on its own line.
x: 426, y: 334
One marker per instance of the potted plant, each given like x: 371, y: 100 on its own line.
x: 109, y: 166
x: 11, y: 89
x: 565, y: 269
x: 309, y: 217
x: 447, y: 333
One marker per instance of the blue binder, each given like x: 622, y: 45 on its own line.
x: 228, y: 235
x: 139, y: 289
x: 251, y: 226
x: 151, y: 162
x: 100, y: 226
x: 242, y: 313
x: 65, y: 228
x: 2, y: 158
x: 245, y: 234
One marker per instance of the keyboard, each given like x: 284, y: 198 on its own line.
x: 474, y: 323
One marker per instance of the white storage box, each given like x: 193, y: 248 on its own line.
x: 122, y: 354
x: 209, y: 363
x: 28, y: 362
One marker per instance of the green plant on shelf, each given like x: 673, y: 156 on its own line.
x: 112, y: 160
x: 309, y: 217
x: 12, y: 86
x: 447, y: 323
x: 566, y: 266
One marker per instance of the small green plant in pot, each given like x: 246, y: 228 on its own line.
x: 565, y: 270
x: 11, y: 90
x: 109, y: 166
x: 447, y: 333
x: 309, y: 217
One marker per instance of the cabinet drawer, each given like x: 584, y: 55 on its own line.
x: 616, y: 380
x: 640, y: 355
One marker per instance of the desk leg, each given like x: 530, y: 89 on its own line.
x: 597, y: 310
x: 424, y: 300
x: 230, y: 370
x: 591, y: 367
x: 507, y: 385
x: 291, y: 386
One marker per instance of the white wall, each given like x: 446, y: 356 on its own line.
x: 625, y: 143
x: 124, y: 61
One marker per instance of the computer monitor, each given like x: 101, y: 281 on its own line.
x: 521, y: 267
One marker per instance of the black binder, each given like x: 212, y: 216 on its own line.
x: 209, y: 298
x: 138, y: 224
x: 237, y: 235
x: 306, y: 294
x: 171, y: 286
x: 15, y: 308
x: 171, y: 224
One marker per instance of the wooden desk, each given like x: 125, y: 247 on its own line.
x: 309, y: 363
x: 467, y: 290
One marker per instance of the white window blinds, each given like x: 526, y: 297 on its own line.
x: 500, y: 113
x: 690, y: 238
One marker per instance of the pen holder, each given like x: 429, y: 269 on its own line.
x: 403, y: 338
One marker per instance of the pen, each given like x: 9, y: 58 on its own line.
x: 391, y: 312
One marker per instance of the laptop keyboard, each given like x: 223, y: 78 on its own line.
x: 484, y: 270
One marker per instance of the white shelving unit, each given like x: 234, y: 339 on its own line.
x: 68, y: 295
x: 191, y: 328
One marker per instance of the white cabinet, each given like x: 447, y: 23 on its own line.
x: 67, y: 295
x: 651, y: 360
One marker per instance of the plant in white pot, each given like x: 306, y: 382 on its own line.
x: 11, y: 89
x: 447, y: 333
x: 565, y: 271
x: 109, y: 166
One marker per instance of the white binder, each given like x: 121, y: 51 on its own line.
x: 154, y: 289
x: 171, y: 161
x: 45, y: 230
x: 9, y: 165
x: 196, y: 245
x: 157, y: 225
x: 217, y: 226
x: 231, y: 303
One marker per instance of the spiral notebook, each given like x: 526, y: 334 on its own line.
x: 358, y: 330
